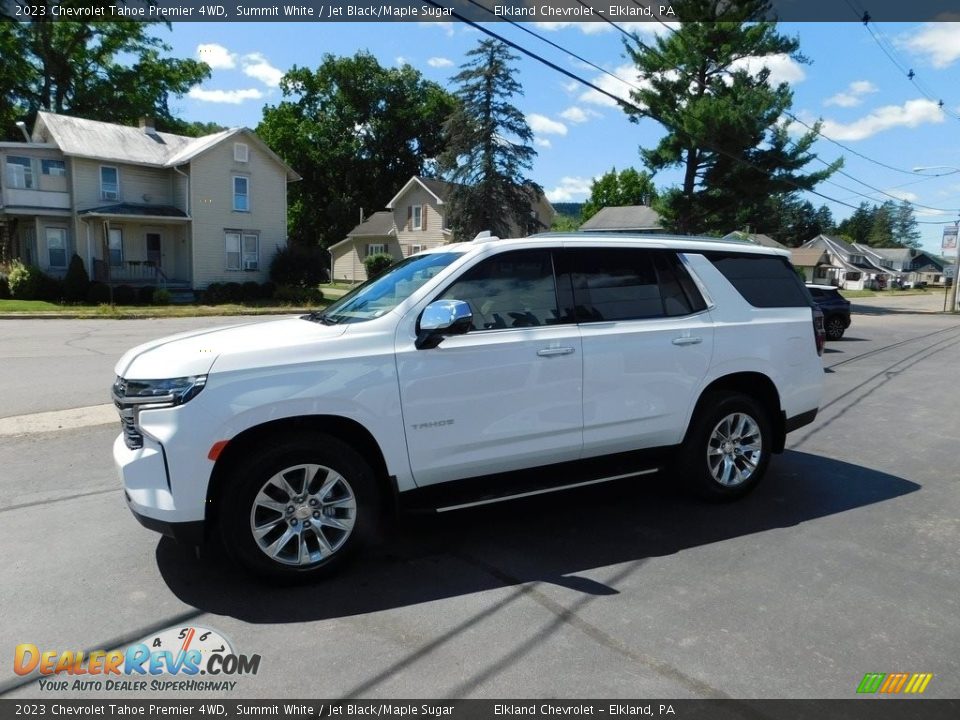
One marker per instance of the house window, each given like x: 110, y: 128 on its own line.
x: 414, y: 249
x: 20, y: 172
x: 109, y: 183
x: 54, y: 168
x: 115, y: 246
x: 241, y: 153
x: 857, y: 259
x: 417, y: 223
x: 57, y: 247
x: 376, y: 248
x: 241, y: 193
x: 242, y: 250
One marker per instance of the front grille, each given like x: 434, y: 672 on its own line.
x: 131, y: 436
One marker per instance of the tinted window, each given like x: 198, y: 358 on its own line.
x: 762, y: 280
x: 510, y: 290
x: 628, y: 284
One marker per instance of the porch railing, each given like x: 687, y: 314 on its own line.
x: 138, y: 271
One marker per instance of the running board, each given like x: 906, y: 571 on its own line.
x: 543, y: 491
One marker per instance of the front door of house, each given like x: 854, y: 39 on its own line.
x: 153, y: 249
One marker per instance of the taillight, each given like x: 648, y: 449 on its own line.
x: 818, y: 331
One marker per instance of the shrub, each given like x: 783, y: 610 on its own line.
x: 76, y: 281
x: 51, y: 289
x: 232, y: 292
x: 295, y: 295
x: 267, y: 290
x: 213, y: 295
x: 250, y: 291
x: 161, y: 296
x: 300, y: 266
x: 4, y: 288
x: 25, y: 281
x: 98, y: 293
x: 376, y: 264
x: 124, y: 295
x: 146, y: 294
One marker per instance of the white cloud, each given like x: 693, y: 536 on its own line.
x: 542, y: 142
x: 783, y: 68
x: 619, y: 86
x: 216, y: 56
x: 578, y: 115
x: 542, y: 125
x: 570, y: 189
x: 853, y: 95
x: 447, y: 27
x: 401, y: 60
x: 230, y: 97
x: 904, y: 195
x: 257, y: 66
x: 593, y: 28
x: 440, y: 62
x: 911, y: 114
x: 572, y: 86
x: 938, y: 43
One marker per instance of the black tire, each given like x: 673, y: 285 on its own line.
x: 354, y: 500
x: 834, y: 328
x: 693, y: 463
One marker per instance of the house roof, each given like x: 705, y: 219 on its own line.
x: 843, y: 252
x: 627, y: 217
x: 806, y: 257
x: 79, y: 137
x: 755, y: 238
x: 136, y: 210
x: 378, y: 224
x: 440, y: 189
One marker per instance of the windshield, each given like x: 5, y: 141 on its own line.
x: 382, y: 294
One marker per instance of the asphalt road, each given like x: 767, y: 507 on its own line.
x: 845, y: 560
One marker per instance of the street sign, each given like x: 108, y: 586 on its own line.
x: 949, y: 237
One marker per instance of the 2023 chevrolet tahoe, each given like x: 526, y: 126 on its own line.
x: 464, y: 375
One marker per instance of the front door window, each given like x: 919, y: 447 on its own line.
x: 154, y: 254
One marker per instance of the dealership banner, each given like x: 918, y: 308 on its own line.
x: 575, y: 11
x: 949, y: 238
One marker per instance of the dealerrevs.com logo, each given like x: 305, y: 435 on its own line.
x: 168, y: 661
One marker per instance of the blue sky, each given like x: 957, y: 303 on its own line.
x: 865, y: 99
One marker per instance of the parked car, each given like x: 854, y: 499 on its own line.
x: 465, y: 375
x: 835, y: 309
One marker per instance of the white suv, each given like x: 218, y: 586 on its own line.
x: 467, y: 374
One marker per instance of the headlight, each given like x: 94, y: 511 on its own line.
x: 132, y: 396
x: 158, y: 393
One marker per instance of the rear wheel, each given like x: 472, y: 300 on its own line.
x: 834, y: 328
x: 299, y: 509
x: 727, y: 449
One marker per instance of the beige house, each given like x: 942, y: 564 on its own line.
x: 415, y: 219
x: 143, y: 207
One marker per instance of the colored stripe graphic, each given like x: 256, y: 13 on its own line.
x: 894, y: 683
x: 871, y: 682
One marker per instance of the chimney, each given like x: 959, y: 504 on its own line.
x: 146, y: 125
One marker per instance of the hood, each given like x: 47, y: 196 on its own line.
x: 193, y: 353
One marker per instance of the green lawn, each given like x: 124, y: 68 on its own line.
x: 887, y: 293
x: 15, y: 308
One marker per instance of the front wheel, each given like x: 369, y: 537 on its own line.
x: 727, y: 449
x: 298, y: 509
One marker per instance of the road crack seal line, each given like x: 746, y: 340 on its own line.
x: 870, y: 353
x: 117, y: 643
x: 59, y: 498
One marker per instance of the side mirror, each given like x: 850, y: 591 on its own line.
x: 441, y: 318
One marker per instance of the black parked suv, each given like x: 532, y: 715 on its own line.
x: 835, y: 309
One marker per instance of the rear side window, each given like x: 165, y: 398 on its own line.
x: 763, y: 280
x: 627, y: 284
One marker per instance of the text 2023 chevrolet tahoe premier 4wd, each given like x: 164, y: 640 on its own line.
x: 472, y: 372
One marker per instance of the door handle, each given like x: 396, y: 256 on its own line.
x: 550, y: 352
x: 687, y: 340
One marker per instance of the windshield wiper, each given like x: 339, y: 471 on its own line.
x: 320, y: 318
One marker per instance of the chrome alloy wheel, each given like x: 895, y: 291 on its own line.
x: 734, y: 449
x: 303, y: 515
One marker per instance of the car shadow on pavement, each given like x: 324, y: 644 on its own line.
x: 887, y: 310
x: 547, y: 539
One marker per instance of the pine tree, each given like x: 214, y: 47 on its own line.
x: 905, y: 229
x: 488, y: 148
x: 722, y: 116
